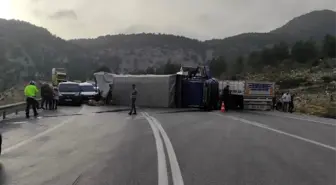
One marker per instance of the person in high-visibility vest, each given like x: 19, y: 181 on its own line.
x: 30, y: 92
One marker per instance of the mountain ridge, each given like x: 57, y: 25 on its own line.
x: 28, y: 51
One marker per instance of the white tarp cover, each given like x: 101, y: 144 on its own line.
x: 104, y: 80
x: 153, y: 90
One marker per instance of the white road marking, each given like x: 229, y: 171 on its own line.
x: 175, y: 168
x: 20, y: 122
x: 302, y: 119
x: 162, y: 165
x: 18, y: 145
x: 278, y: 131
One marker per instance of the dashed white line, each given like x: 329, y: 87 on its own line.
x: 278, y: 131
x: 162, y: 165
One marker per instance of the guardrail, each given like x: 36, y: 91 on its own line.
x: 13, y: 108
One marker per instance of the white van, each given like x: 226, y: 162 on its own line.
x: 88, y: 91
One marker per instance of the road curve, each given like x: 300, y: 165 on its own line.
x: 104, y: 145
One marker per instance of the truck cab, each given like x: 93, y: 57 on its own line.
x: 58, y: 75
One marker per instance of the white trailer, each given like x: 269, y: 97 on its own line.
x: 252, y: 95
x: 153, y: 90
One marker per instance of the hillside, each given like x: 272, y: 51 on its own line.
x: 311, y: 25
x: 27, y: 51
x: 126, y: 53
x: 314, y: 25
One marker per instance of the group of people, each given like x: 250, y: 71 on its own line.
x: 50, y: 97
x: 287, y: 100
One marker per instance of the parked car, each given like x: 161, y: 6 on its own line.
x: 88, y: 91
x: 70, y: 93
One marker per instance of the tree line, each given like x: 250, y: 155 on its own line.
x: 303, y: 52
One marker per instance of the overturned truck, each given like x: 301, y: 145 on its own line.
x: 165, y: 91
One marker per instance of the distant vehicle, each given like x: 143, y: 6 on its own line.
x: 88, y: 91
x: 58, y: 75
x: 70, y: 93
x: 252, y: 95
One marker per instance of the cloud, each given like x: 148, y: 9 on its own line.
x: 201, y: 19
x: 63, y: 14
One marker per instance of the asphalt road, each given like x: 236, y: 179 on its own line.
x: 104, y: 145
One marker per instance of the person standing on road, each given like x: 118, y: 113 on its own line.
x: 273, y: 102
x: 133, y: 99
x: 226, y: 97
x: 56, y: 98
x: 44, y: 91
x: 50, y: 97
x: 285, y: 99
x: 291, y: 103
x: 30, y: 92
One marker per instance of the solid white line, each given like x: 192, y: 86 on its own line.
x: 162, y: 165
x: 176, y: 172
x: 302, y: 119
x: 18, y: 145
x: 279, y: 131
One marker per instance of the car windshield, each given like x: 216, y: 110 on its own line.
x: 87, y: 88
x: 69, y: 88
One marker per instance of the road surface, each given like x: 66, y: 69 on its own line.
x: 104, y: 145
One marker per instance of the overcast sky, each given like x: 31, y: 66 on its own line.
x: 201, y: 19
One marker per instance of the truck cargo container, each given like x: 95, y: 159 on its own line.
x: 153, y: 90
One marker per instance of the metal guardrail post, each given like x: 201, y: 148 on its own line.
x: 13, y: 108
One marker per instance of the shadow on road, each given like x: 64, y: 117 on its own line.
x: 115, y: 110
x: 181, y: 111
x: 3, y: 178
x: 6, y: 125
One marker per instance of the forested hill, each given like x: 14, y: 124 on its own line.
x: 28, y: 51
x: 314, y: 25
